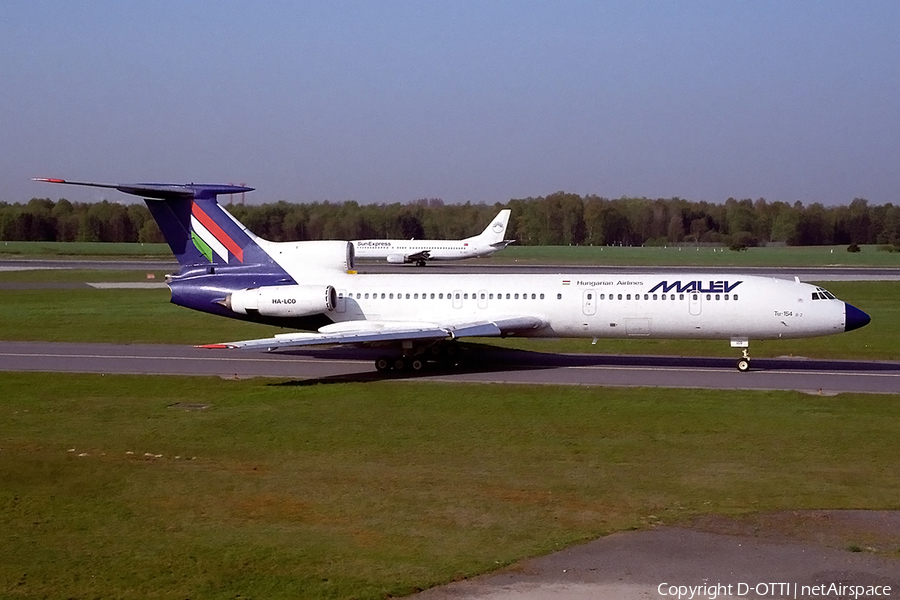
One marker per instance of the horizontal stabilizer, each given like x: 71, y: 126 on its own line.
x: 163, y: 191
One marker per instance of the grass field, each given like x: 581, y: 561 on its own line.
x: 82, y: 249
x: 176, y: 487
x: 803, y: 256
x: 281, y: 490
x: 784, y: 256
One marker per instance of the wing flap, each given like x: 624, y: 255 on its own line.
x: 369, y: 332
x: 423, y: 255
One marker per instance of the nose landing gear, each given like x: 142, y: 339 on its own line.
x: 743, y: 363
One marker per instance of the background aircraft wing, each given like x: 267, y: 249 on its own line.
x: 423, y: 255
x: 372, y: 332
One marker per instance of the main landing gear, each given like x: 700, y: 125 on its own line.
x: 415, y: 360
x: 399, y: 363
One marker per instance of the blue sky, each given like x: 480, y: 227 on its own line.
x: 466, y: 101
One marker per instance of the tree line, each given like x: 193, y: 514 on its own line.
x: 557, y: 219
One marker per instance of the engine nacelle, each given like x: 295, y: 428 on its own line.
x: 396, y: 258
x: 283, y: 300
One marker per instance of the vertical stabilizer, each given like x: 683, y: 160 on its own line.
x: 496, y: 229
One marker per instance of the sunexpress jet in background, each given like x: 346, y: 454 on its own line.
x: 226, y: 270
x: 418, y: 251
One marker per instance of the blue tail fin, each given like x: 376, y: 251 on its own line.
x: 200, y: 232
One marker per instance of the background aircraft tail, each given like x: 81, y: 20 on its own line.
x: 496, y: 229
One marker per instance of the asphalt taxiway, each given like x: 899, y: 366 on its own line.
x: 827, y: 273
x: 484, y: 364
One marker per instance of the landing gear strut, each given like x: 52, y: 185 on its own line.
x: 417, y: 359
x: 743, y: 363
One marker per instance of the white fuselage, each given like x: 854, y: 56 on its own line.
x: 435, y: 249
x: 601, y: 306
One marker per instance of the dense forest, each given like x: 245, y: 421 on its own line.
x: 557, y: 219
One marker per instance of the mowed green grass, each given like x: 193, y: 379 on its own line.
x: 353, y: 490
x: 83, y: 249
x: 786, y: 256
x: 774, y: 256
x: 129, y: 316
x: 147, y: 316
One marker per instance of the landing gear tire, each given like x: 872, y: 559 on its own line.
x: 743, y: 365
x: 399, y: 363
x: 383, y: 363
x: 416, y: 364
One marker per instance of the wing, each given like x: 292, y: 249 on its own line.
x: 423, y: 255
x: 375, y: 332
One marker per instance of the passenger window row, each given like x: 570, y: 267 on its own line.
x: 665, y: 296
x: 440, y: 296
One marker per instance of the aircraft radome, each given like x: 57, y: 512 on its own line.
x: 227, y: 270
x: 418, y: 251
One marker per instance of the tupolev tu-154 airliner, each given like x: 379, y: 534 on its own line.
x: 418, y: 251
x: 227, y: 270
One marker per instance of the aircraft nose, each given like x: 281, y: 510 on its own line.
x: 854, y: 318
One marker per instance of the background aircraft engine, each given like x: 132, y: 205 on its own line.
x: 396, y: 258
x: 283, y: 300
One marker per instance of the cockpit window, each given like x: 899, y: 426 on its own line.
x: 823, y: 294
